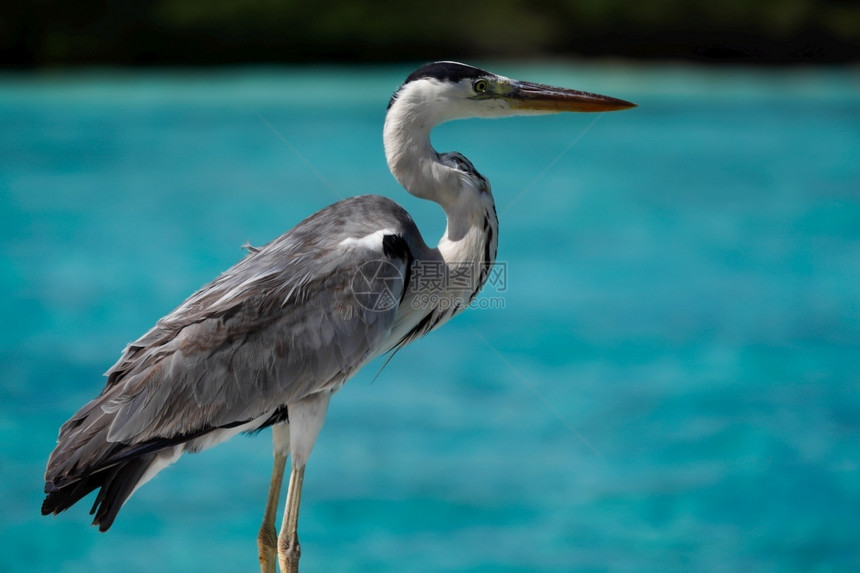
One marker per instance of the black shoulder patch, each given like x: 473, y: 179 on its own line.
x: 395, y: 247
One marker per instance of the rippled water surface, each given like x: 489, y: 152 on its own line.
x: 667, y: 379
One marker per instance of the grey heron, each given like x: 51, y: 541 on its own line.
x: 273, y: 337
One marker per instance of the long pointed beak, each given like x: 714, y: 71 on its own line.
x: 549, y: 99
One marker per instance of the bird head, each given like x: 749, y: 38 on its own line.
x: 442, y: 91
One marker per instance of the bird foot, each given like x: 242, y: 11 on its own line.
x: 289, y: 552
x: 267, y: 549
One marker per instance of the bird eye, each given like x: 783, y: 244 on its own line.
x: 480, y: 86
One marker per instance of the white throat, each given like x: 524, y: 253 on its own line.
x: 447, y: 179
x: 469, y: 244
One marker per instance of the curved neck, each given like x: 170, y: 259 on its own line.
x: 411, y: 158
x: 447, y: 179
x: 471, y: 237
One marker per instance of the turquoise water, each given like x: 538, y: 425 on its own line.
x: 668, y: 382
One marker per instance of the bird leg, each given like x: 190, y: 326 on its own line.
x: 289, y: 549
x: 306, y: 419
x: 267, y: 541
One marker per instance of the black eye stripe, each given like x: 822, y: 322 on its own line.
x: 447, y: 71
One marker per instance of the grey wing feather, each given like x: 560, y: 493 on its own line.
x: 282, y: 323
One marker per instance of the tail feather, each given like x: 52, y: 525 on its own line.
x: 117, y: 488
x: 85, y: 460
x: 116, y: 482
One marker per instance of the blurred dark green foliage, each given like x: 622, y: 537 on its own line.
x: 158, y: 32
